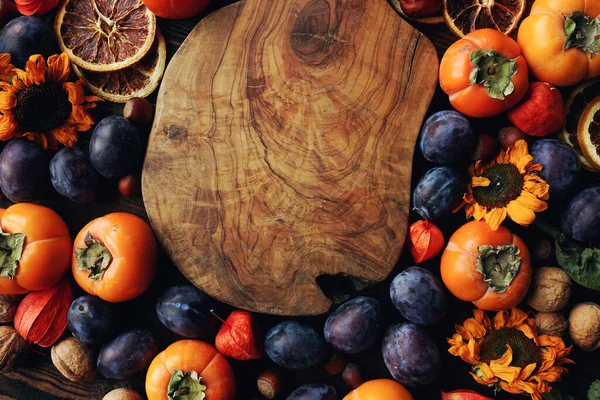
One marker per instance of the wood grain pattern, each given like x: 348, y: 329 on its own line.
x: 285, y: 133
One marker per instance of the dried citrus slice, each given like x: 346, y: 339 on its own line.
x: 588, y: 132
x: 105, y: 35
x: 436, y: 19
x: 139, y: 80
x: 465, y: 16
x: 575, y: 104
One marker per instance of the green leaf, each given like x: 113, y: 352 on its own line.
x: 11, y: 250
x: 557, y: 394
x: 582, y: 264
x: 582, y: 32
x: 594, y: 391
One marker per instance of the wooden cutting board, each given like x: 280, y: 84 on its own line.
x: 282, y: 148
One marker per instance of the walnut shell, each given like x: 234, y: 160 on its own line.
x: 74, y: 360
x: 584, y: 326
x: 13, y: 349
x: 554, y: 324
x: 8, y: 307
x: 550, y: 289
x: 123, y: 394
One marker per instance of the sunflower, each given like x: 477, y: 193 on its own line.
x: 507, y: 186
x: 508, y: 353
x: 40, y: 104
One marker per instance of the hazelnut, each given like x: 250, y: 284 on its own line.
x: 139, y: 110
x: 554, y: 323
x: 8, y: 307
x: 123, y: 394
x: 510, y: 135
x: 74, y: 360
x: 268, y: 384
x: 352, y: 376
x: 486, y: 148
x: 335, y: 365
x: 550, y: 289
x: 13, y: 349
x: 542, y: 250
x: 584, y: 326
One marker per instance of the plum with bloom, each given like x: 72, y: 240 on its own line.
x: 39, y: 103
x: 507, y: 352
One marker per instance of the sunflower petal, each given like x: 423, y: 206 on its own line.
x: 8, y: 97
x: 59, y: 68
x: 36, y: 70
x: 527, y: 371
x: 6, y: 68
x: 8, y: 126
x: 520, y: 213
x: 479, y: 212
x: 480, y: 181
x: 500, y: 319
x: 502, y: 368
x: 495, y: 217
x: 516, y: 317
x: 537, y: 187
x: 519, y: 155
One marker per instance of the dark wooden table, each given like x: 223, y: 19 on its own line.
x: 40, y: 380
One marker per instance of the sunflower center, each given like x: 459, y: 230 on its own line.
x: 506, y: 184
x: 42, y: 108
x: 493, y: 346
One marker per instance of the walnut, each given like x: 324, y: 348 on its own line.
x: 584, y: 326
x: 123, y: 394
x: 74, y: 360
x: 550, y: 289
x: 8, y: 307
x: 13, y: 349
x: 554, y: 324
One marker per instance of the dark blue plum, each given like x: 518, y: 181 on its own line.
x: 24, y: 174
x: 410, y: 355
x: 355, y: 326
x: 25, y: 36
x: 185, y: 310
x: 91, y: 320
x: 560, y: 165
x: 293, y: 345
x: 419, y: 296
x: 581, y: 218
x: 127, y: 354
x: 313, y: 391
x: 438, y: 193
x: 73, y: 175
x: 447, y: 137
x: 116, y: 149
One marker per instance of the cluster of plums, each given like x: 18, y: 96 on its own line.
x: 115, y: 151
x: 447, y: 138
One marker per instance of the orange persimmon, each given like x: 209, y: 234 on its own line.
x: 379, y: 389
x: 114, y: 257
x: 484, y: 74
x: 559, y: 40
x: 190, y: 364
x: 37, y: 248
x: 490, y: 268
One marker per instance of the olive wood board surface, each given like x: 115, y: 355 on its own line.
x: 282, y: 149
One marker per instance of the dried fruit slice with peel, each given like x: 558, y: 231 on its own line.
x: 465, y: 16
x: 105, y: 35
x: 138, y: 80
x: 575, y: 104
x: 588, y: 132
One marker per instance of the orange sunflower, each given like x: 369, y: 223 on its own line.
x: 508, y: 353
x: 40, y: 104
x: 507, y: 186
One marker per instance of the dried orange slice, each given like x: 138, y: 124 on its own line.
x: 588, y: 132
x: 436, y: 19
x: 139, y: 80
x: 465, y: 16
x: 104, y: 35
x: 575, y: 104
